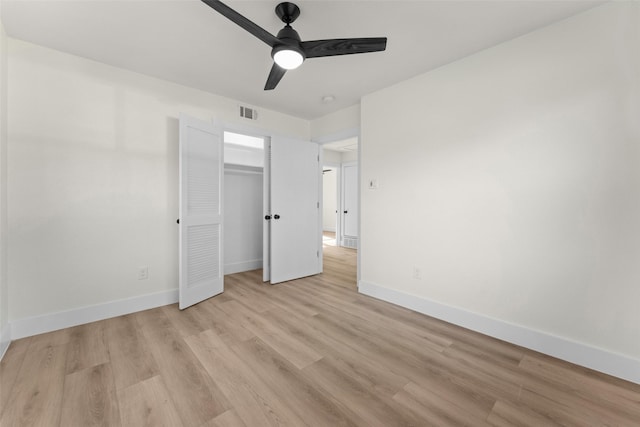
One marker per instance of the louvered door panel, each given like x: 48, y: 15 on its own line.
x: 201, y: 166
x: 203, y: 254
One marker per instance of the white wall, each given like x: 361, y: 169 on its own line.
x: 4, y: 284
x: 329, y: 198
x: 349, y: 156
x: 93, y: 186
x: 515, y: 178
x: 243, y: 219
x: 335, y: 126
x: 331, y: 156
x: 234, y: 155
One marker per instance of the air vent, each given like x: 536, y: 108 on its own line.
x: 350, y: 242
x: 248, y: 113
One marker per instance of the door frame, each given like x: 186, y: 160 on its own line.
x: 338, y: 168
x: 338, y: 136
x: 343, y: 192
x: 268, y: 136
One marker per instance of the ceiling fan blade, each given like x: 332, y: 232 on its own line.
x: 275, y: 76
x: 248, y: 25
x: 333, y: 47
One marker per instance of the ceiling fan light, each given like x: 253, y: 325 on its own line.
x: 288, y: 59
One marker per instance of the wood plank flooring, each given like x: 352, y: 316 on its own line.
x: 311, y: 352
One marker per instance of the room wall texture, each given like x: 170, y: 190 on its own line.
x: 337, y: 157
x: 511, y: 180
x: 243, y: 219
x: 333, y: 126
x: 330, y: 156
x: 329, y: 199
x: 4, y: 284
x: 349, y: 156
x: 93, y: 179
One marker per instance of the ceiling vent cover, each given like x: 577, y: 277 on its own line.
x: 248, y: 113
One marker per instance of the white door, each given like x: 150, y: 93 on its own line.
x: 296, y: 237
x: 266, y: 212
x: 200, y: 219
x: 350, y: 203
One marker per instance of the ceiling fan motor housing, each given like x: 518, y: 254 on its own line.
x: 289, y: 40
x: 287, y: 12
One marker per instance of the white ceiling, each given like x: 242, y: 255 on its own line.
x: 186, y: 42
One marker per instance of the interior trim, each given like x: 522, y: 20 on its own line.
x: 5, y: 339
x: 64, y: 319
x: 581, y: 354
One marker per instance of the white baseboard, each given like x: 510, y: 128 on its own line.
x: 63, y: 319
x: 581, y: 354
x: 239, y: 267
x: 5, y: 339
x: 330, y: 229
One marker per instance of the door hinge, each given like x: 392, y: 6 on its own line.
x: 318, y: 254
x: 318, y: 205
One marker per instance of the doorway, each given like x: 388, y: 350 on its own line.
x: 341, y: 191
x: 243, y: 202
x: 220, y: 176
x: 349, y: 206
x: 272, y: 218
x: 341, y: 220
x: 330, y: 195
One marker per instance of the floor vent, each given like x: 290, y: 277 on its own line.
x: 350, y: 242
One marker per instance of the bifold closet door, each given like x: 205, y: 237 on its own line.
x: 201, y: 165
x: 294, y: 183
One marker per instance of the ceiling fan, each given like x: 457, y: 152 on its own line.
x: 288, y: 51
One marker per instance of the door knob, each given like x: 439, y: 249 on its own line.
x: 276, y: 216
x: 267, y: 217
x: 346, y: 211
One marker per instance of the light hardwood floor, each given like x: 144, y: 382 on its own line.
x: 308, y: 352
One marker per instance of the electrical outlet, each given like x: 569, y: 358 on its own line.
x: 417, y: 274
x: 143, y: 273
